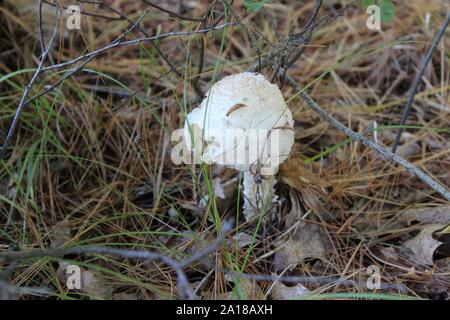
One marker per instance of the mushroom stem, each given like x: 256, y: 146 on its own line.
x: 258, y: 194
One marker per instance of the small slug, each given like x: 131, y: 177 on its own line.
x: 235, y: 107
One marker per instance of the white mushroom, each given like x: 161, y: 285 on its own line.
x: 244, y: 123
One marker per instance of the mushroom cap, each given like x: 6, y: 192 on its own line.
x: 243, y: 106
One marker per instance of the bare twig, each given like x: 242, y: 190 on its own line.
x: 226, y: 227
x: 10, y: 292
x: 184, y: 286
x: 41, y: 32
x: 195, y: 84
x: 23, y: 99
x: 52, y: 87
x: 135, y: 42
x: 87, y: 58
x: 284, y: 61
x: 162, y: 55
x: 426, y: 59
x: 310, y: 27
x: 294, y: 40
x: 384, y: 153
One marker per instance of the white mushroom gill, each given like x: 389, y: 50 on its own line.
x: 246, y: 125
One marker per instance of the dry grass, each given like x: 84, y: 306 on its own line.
x: 90, y: 163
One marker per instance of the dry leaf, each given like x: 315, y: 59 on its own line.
x: 308, y: 241
x: 282, y: 292
x: 438, y: 215
x: 297, y: 175
x: 95, y: 286
x: 423, y: 245
x: 310, y: 186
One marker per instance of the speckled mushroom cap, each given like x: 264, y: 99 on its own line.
x: 242, y: 101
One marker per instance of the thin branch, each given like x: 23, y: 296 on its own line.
x: 310, y: 26
x: 285, y: 61
x: 184, y: 286
x: 162, y: 55
x: 88, y: 57
x: 201, y: 58
x: 418, y: 79
x: 53, y: 86
x: 294, y: 40
x: 384, y: 153
x: 23, y: 101
x: 226, y: 227
x: 41, y: 32
x: 137, y: 41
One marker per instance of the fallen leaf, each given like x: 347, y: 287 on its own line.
x: 95, y: 285
x: 309, y: 185
x: 297, y: 175
x: 423, y: 245
x: 308, y: 241
x: 434, y: 215
x: 282, y: 292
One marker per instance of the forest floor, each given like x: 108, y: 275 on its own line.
x: 89, y: 163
